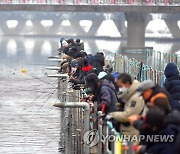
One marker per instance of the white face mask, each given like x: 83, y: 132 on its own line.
x: 123, y: 90
x: 73, y: 69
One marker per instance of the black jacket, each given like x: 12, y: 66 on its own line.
x: 70, y: 50
x: 172, y: 84
x: 98, y: 62
x: 168, y: 127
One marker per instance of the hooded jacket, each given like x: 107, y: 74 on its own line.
x: 107, y: 95
x: 172, y: 84
x: 134, y: 105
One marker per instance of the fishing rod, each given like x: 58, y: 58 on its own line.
x: 35, y: 100
x: 27, y: 74
x: 44, y: 103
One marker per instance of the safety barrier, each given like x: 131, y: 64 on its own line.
x: 74, y: 115
x: 156, y: 59
x: 94, y: 2
x: 112, y: 141
x: 137, y: 69
x: 159, y: 59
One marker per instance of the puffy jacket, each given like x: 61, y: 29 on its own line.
x: 80, y: 46
x: 162, y: 148
x: 172, y: 84
x: 70, y: 50
x: 169, y: 127
x: 106, y: 94
x: 134, y: 104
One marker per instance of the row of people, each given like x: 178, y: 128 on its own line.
x: 137, y: 108
x: 70, y: 47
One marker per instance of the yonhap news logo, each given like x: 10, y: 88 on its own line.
x: 91, y: 137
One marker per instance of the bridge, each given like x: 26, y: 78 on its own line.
x: 146, y: 6
x: 131, y: 18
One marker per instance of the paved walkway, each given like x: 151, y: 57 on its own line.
x: 29, y: 124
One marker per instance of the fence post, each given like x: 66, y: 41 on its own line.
x: 85, y: 105
x: 100, y: 133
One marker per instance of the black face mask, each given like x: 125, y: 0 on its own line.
x: 93, y: 85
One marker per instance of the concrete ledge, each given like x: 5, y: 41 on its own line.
x: 90, y: 8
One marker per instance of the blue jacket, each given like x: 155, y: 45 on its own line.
x: 167, y: 132
x: 165, y: 144
x: 107, y: 94
x: 172, y: 84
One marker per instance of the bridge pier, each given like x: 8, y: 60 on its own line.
x: 173, y: 27
x: 119, y: 21
x: 135, y: 30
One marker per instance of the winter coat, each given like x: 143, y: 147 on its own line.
x: 134, y: 104
x: 161, y: 148
x: 173, y: 119
x: 82, y: 74
x: 172, y: 84
x: 70, y: 50
x: 90, y: 58
x: 80, y: 46
x: 158, y: 92
x: 169, y: 128
x: 167, y: 125
x: 106, y: 95
x: 98, y: 62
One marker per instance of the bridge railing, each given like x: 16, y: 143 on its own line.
x: 156, y: 59
x: 137, y: 69
x: 159, y: 60
x: 94, y: 2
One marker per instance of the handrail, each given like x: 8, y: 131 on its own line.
x: 86, y: 107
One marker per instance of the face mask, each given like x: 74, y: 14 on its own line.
x: 123, y: 90
x: 73, y: 69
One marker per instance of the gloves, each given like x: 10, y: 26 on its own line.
x: 108, y: 117
x: 62, y: 39
x: 133, y: 118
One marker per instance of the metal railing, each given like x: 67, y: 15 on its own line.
x: 94, y: 2
x: 137, y: 69
x: 156, y: 59
x: 74, y: 115
x: 114, y: 142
